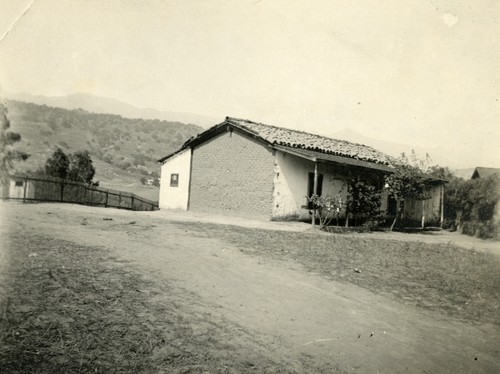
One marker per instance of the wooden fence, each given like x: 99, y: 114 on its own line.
x: 65, y: 191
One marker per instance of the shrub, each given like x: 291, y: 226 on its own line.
x: 124, y: 165
x: 474, y: 203
x: 484, y: 230
x: 363, y: 203
x: 327, y: 208
x: 46, y: 133
x: 66, y: 124
x: 140, y: 159
x: 108, y: 158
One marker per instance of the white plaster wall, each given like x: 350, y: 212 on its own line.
x: 290, y: 186
x: 334, y: 184
x: 291, y: 179
x: 18, y: 192
x: 176, y: 197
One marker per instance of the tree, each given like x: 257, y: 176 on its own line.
x: 57, y: 165
x: 407, y: 181
x: 441, y: 172
x: 7, y: 140
x: 77, y: 167
x: 471, y: 206
x: 477, y: 198
x: 81, y: 168
x: 484, y: 195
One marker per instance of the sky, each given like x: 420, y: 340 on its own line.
x: 425, y: 73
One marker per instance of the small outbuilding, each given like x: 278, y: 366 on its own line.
x: 481, y: 172
x: 245, y: 168
x: 18, y: 187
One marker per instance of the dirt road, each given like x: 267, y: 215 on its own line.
x: 295, y: 314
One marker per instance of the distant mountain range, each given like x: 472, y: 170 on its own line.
x: 106, y: 105
x: 395, y: 149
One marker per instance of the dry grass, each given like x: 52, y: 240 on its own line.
x: 461, y: 283
x: 72, y: 308
x: 67, y: 308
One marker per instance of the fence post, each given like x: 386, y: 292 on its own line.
x: 132, y: 202
x: 106, y: 203
x: 62, y: 191
x: 25, y: 187
x: 423, y: 213
x: 441, y: 206
x: 119, y: 199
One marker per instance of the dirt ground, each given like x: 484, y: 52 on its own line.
x: 270, y: 310
x: 434, y: 237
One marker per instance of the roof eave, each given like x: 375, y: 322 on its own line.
x: 163, y: 159
x: 291, y: 152
x: 338, y: 160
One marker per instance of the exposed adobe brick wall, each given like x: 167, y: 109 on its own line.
x: 232, y: 174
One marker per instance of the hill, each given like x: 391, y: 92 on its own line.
x: 106, y: 105
x: 124, y: 150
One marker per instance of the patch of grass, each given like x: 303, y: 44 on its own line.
x: 461, y: 283
x: 66, y: 308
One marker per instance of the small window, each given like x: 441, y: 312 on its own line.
x: 174, y: 180
x: 19, y: 183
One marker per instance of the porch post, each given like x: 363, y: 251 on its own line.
x: 315, y: 191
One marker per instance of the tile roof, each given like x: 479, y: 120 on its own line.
x: 306, y: 141
x: 481, y: 172
x: 308, y: 145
